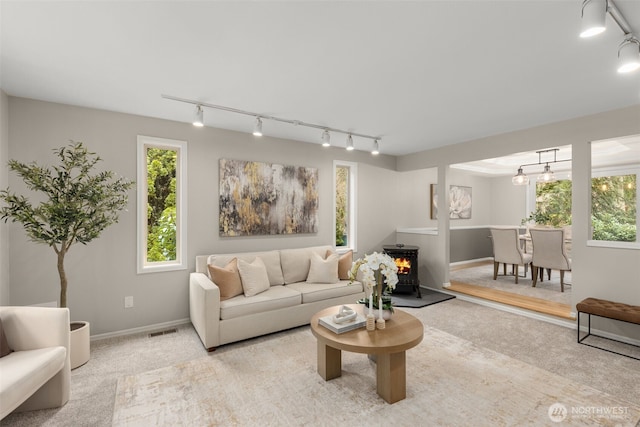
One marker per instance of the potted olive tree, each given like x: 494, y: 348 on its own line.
x: 78, y: 203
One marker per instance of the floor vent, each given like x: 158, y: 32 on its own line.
x: 157, y: 334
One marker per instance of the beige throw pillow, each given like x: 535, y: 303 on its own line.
x: 344, y: 264
x: 254, y: 276
x: 323, y: 270
x: 227, y: 278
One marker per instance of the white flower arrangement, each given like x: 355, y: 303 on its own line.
x: 374, y: 267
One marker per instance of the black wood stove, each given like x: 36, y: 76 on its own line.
x: 406, y: 258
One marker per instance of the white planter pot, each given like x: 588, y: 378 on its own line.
x: 79, y: 343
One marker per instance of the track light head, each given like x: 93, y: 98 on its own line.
x: 257, y: 128
x: 349, y: 143
x: 629, y: 55
x: 594, y: 13
x: 376, y: 148
x: 520, y: 178
x: 198, y: 117
x: 326, y: 138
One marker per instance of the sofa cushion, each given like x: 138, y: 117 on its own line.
x: 323, y: 270
x: 227, y: 278
x: 312, y: 292
x: 24, y: 372
x: 4, y: 345
x: 271, y: 261
x: 344, y: 264
x: 296, y: 262
x: 274, y: 298
x: 254, y: 277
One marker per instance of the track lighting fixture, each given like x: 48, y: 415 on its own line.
x: 326, y: 139
x: 349, y: 143
x: 198, y: 118
x: 547, y: 174
x: 594, y: 13
x: 593, y: 22
x: 376, y: 148
x: 257, y: 128
x: 260, y: 117
x: 629, y: 55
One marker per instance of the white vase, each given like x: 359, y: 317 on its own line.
x: 79, y: 345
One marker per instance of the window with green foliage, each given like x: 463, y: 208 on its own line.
x: 553, y: 203
x: 161, y: 204
x: 161, y: 213
x: 344, y: 202
x: 614, y: 208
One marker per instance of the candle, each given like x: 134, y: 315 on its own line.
x: 371, y: 302
x: 380, y: 307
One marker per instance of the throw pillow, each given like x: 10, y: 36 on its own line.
x: 227, y: 278
x: 4, y: 345
x: 344, y: 264
x: 323, y: 270
x: 254, y: 276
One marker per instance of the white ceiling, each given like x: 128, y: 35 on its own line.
x: 420, y: 74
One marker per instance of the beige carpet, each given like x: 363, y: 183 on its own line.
x: 450, y: 381
x: 548, y: 289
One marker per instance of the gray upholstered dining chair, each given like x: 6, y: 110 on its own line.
x: 549, y: 252
x: 507, y: 250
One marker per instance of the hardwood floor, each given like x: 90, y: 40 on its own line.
x: 527, y: 302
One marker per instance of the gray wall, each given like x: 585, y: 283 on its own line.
x: 4, y: 182
x: 102, y: 273
x: 608, y: 273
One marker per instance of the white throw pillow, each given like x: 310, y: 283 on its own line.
x: 323, y: 270
x: 254, y: 276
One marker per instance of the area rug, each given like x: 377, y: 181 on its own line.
x: 272, y: 380
x: 428, y: 297
x: 548, y: 289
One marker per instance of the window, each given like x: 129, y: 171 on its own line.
x: 161, y: 204
x: 614, y: 194
x: 345, y: 204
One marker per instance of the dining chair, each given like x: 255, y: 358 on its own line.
x: 549, y: 252
x: 507, y: 250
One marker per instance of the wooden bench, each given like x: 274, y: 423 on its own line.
x: 610, y: 310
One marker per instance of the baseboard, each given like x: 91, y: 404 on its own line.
x: 141, y: 329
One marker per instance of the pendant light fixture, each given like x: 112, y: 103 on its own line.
x: 257, y: 128
x: 520, y: 178
x: 547, y: 174
x: 198, y: 117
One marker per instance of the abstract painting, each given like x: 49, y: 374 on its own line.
x: 265, y: 198
x: 459, y: 202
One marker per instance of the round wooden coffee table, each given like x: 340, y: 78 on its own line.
x: 401, y: 333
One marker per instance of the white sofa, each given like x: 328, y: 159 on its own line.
x: 289, y: 301
x: 37, y: 373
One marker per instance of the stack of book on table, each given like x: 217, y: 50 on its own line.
x: 339, y: 328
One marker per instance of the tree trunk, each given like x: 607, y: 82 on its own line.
x: 63, y: 277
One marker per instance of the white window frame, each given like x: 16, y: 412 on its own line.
x: 180, y: 263
x: 352, y: 198
x: 616, y: 171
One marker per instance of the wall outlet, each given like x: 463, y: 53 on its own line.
x: 128, y: 302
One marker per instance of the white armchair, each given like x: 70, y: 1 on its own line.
x: 37, y: 374
x: 507, y: 250
x: 549, y: 252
